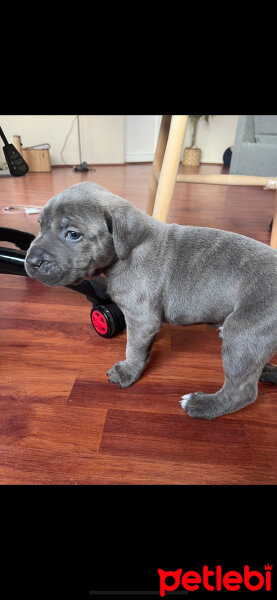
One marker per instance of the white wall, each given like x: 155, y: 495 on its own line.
x: 103, y: 140
x: 141, y: 134
x: 113, y: 139
x: 102, y: 136
x: 214, y: 138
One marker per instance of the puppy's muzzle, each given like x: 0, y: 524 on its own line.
x: 37, y: 256
x: 40, y: 265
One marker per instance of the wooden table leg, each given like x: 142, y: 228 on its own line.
x: 170, y: 167
x: 273, y: 239
x: 157, y: 162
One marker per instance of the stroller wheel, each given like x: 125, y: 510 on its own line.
x: 107, y: 319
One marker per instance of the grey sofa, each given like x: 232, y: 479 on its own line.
x: 255, y: 146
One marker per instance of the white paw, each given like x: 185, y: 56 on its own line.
x: 220, y: 329
x: 184, y: 400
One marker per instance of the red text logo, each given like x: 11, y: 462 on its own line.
x: 215, y: 580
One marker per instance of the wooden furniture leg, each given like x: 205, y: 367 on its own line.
x: 167, y: 156
x: 157, y: 162
x: 170, y: 167
x: 273, y: 239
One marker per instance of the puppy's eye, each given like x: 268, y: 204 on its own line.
x: 73, y: 235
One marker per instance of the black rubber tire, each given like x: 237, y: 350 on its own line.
x: 110, y: 316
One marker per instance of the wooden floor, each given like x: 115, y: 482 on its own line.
x: 60, y: 420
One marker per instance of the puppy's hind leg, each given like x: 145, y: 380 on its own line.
x: 246, y: 347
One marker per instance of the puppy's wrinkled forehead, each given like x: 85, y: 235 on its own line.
x: 62, y: 212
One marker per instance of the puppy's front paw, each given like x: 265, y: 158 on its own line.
x: 200, y: 405
x: 122, y: 373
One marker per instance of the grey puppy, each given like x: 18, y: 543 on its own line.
x: 158, y: 272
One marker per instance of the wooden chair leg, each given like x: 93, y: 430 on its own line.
x: 157, y: 162
x: 170, y: 167
x: 273, y: 239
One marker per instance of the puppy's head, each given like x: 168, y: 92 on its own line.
x: 84, y: 229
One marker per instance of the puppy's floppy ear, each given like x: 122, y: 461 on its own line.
x: 128, y: 226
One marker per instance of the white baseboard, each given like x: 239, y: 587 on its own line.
x: 139, y: 157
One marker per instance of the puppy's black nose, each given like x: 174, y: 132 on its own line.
x: 35, y: 257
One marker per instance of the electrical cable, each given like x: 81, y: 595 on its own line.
x: 66, y: 139
x: 18, y: 208
x: 83, y: 165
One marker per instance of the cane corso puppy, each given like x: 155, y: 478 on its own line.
x: 158, y: 272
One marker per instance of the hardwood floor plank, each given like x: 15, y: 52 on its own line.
x: 27, y: 426
x: 153, y: 397
x: 34, y: 466
x: 175, y: 437
x: 21, y: 382
x: 262, y: 437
